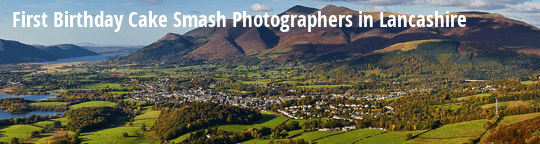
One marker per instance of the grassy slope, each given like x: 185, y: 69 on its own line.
x: 388, y: 138
x: 478, y: 95
x: 452, y: 133
x: 46, y: 123
x: 114, y: 135
x: 104, y: 86
x: 20, y: 131
x: 93, y: 104
x: 268, y: 120
x: 47, y: 103
x: 322, y: 86
x: 350, y: 137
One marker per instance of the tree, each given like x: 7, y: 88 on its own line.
x: 487, y: 125
x: 283, y: 134
x: 143, y: 127
x: 57, y: 124
x: 14, y: 140
x: 409, y: 136
x: 34, y: 134
x: 78, y: 132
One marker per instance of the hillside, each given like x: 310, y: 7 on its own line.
x: 327, y: 43
x: 444, y: 58
x: 16, y: 52
x: 170, y: 46
x: 66, y: 51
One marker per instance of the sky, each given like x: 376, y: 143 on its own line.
x: 524, y: 10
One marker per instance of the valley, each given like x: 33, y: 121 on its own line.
x: 474, y: 84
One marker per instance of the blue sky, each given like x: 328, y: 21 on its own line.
x: 525, y: 10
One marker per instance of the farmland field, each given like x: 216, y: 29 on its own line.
x: 48, y: 103
x: 268, y: 120
x: 20, y: 131
x: 93, y: 104
x: 114, y: 135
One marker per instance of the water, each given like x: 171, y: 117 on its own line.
x: 6, y: 115
x: 28, y: 97
x: 97, y: 58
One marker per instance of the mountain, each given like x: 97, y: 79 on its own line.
x: 86, y: 44
x: 485, y: 32
x: 16, y: 52
x: 170, y: 46
x: 66, y: 51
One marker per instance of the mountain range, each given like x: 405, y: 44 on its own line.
x: 66, y: 51
x: 486, y: 34
x: 16, y: 52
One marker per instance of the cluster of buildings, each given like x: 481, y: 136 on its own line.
x: 486, y: 88
x: 345, y: 128
x: 7, y: 84
x: 322, y: 108
x: 154, y: 93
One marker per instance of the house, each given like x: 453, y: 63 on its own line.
x: 348, y: 128
x: 325, y: 129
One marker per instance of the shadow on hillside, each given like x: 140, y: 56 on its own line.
x: 265, y: 118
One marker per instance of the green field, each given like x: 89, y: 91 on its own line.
x: 20, y: 131
x: 119, y: 93
x: 93, y: 104
x: 104, y: 86
x: 389, y: 137
x: 529, y: 82
x: 138, y: 102
x: 350, y: 137
x: 180, y: 138
x: 308, y: 136
x: 268, y: 120
x: 518, y: 118
x: 48, y: 103
x: 464, y: 129
x: 114, y: 135
x: 452, y: 133
x: 46, y: 123
x: 437, y: 141
x: 478, y: 95
x: 450, y: 106
x: 322, y: 86
x: 313, y: 135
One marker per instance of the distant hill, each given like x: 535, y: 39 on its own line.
x: 16, y: 52
x: 66, y: 51
x: 327, y: 43
x: 170, y: 46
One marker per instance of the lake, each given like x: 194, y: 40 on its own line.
x: 96, y: 58
x: 28, y: 97
x: 6, y: 115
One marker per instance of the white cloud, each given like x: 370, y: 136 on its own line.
x: 467, y: 4
x: 524, y: 8
x: 472, y: 4
x: 377, y: 9
x: 260, y: 8
x: 374, y: 2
